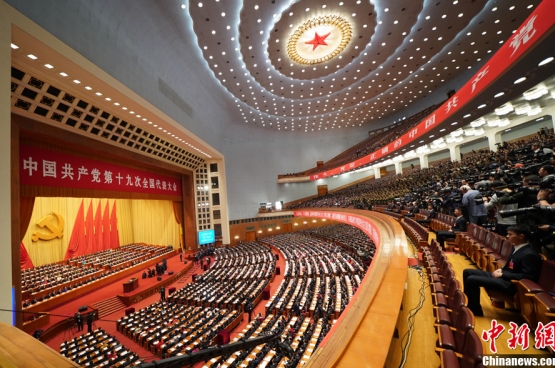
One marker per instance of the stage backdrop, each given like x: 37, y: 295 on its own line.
x: 148, y: 221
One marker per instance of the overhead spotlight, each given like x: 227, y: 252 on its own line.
x: 14, y: 46
x: 520, y: 80
x: 546, y: 61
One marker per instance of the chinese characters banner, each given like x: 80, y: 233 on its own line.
x: 540, y: 22
x: 53, y: 169
x: 362, y: 223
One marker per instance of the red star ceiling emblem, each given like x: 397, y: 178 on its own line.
x: 317, y: 41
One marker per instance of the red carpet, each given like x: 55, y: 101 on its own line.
x: 261, y: 306
x: 108, y: 323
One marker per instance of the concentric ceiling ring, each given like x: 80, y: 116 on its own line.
x: 319, y: 40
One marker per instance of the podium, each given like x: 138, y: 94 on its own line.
x: 130, y: 285
x: 222, y: 338
x: 266, y: 294
x: 278, y: 270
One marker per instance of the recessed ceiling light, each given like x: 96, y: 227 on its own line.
x: 88, y: 88
x: 124, y: 108
x: 256, y: 7
x: 48, y: 66
x: 63, y: 74
x: 386, y: 10
x: 76, y: 81
x: 324, y: 6
x: 467, y: 116
x: 31, y: 56
x: 108, y: 99
x: 223, y: 14
x: 460, y: 15
x: 14, y: 46
x: 499, y: 94
x: 200, y: 5
x: 494, y: 9
x: 98, y: 94
x: 519, y: 80
x: 116, y: 103
x: 546, y: 61
x: 482, y: 106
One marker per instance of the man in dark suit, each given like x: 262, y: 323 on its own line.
x: 90, y: 318
x: 79, y: 321
x: 523, y: 263
x: 460, y: 226
x: 431, y: 215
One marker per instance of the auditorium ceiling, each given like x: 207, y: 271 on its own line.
x: 311, y: 65
x: 314, y: 65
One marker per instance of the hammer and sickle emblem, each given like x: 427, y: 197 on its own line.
x: 56, y: 231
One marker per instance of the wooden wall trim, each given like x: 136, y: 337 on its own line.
x: 189, y: 213
x: 15, y: 214
x: 362, y: 335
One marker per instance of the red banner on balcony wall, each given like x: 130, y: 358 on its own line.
x: 367, y: 226
x: 54, y: 169
x: 540, y: 22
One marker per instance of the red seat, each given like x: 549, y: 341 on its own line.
x: 471, y: 355
x: 526, y: 289
x: 452, y: 338
x: 449, y: 317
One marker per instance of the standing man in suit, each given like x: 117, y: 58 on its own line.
x: 460, y: 226
x: 79, y: 320
x: 523, y: 263
x: 162, y: 294
x: 90, y: 318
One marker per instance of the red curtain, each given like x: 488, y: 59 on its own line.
x: 89, y: 230
x: 26, y: 261
x: 114, y: 243
x: 106, y: 227
x: 98, y: 228
x: 77, y: 244
x: 26, y: 205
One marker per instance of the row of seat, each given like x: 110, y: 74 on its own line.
x: 98, y: 349
x: 458, y: 344
x: 167, y: 329
x: 489, y: 252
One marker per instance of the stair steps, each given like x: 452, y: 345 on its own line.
x: 108, y: 306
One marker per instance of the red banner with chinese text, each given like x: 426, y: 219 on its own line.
x: 53, y: 169
x: 532, y: 30
x: 367, y: 226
